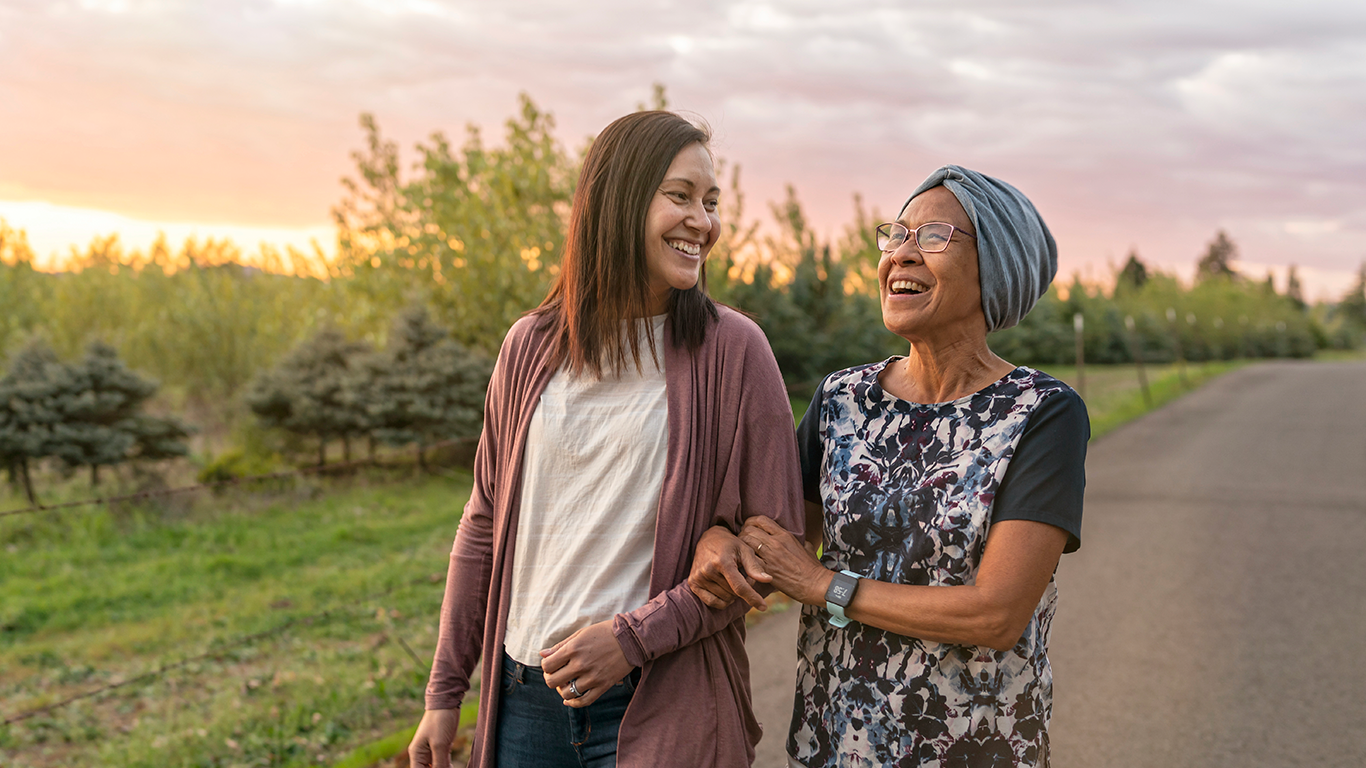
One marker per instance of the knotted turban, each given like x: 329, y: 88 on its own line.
x: 1016, y: 255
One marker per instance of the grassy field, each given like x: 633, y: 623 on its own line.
x: 341, y: 583
x: 313, y: 606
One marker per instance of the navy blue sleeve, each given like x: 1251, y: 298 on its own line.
x: 809, y: 446
x: 1046, y: 478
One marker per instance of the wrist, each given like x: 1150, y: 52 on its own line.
x: 819, y: 586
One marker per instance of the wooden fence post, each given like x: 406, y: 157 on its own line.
x: 1176, y: 340
x: 1079, y: 324
x: 1136, y: 349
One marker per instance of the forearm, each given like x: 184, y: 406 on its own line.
x: 672, y: 620
x: 463, y: 611
x: 963, y: 615
x: 1017, y: 565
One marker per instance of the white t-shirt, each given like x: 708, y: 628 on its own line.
x: 591, y: 478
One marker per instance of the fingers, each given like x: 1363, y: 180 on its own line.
x: 766, y: 524
x: 754, y: 565
x: 552, y: 659
x: 589, y: 696
x: 419, y: 754
x: 431, y: 745
x: 712, y: 597
x: 741, y: 586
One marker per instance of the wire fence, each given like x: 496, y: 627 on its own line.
x: 225, y: 650
x: 217, y: 484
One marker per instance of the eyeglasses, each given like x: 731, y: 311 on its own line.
x: 932, y: 237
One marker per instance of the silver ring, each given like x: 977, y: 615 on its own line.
x: 574, y: 686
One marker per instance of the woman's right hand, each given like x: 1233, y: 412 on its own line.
x: 431, y: 745
x: 719, y: 570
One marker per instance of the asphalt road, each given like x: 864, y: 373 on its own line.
x: 1216, y: 613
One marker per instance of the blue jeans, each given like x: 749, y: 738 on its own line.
x: 535, y: 728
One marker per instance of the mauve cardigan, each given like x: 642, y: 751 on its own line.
x: 732, y: 453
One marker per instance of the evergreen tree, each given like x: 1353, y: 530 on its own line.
x: 1218, y: 258
x: 424, y: 387
x: 29, y: 395
x: 156, y: 438
x: 1293, y: 290
x: 99, y: 408
x: 1134, y: 274
x: 815, y: 322
x: 307, y: 392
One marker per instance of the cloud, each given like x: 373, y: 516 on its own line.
x: 1150, y: 124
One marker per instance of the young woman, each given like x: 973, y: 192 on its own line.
x: 626, y: 416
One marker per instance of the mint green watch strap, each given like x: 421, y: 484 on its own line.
x: 839, y: 595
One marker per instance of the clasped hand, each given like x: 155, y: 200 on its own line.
x: 726, y: 566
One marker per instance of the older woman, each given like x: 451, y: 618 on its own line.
x: 944, y: 487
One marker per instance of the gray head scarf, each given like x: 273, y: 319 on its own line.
x: 1016, y: 255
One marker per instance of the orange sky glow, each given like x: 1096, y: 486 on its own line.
x: 1140, y: 125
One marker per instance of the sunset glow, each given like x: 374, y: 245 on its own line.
x: 1142, y: 125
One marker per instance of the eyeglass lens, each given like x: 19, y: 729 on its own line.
x: 930, y: 238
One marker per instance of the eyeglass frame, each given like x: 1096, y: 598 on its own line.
x: 913, y: 235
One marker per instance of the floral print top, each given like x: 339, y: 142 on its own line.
x: 908, y: 492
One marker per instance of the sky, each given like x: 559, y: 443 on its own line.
x: 1132, y: 125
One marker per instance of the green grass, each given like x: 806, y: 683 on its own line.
x: 91, y: 597
x: 1114, y: 397
x: 1340, y: 355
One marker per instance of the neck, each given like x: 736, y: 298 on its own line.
x: 943, y: 370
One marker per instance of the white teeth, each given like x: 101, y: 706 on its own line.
x: 692, y: 249
x: 898, y: 286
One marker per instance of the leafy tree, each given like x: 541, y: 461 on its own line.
x: 1133, y: 275
x: 475, y: 233
x: 307, y: 393
x: 24, y: 292
x: 1218, y: 258
x: 424, y: 387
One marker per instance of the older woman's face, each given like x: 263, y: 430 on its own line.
x: 927, y: 293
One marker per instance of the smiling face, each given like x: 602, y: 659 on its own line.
x: 928, y: 295
x: 681, y: 225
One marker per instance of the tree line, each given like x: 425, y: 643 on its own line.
x: 421, y: 388
x: 472, y: 233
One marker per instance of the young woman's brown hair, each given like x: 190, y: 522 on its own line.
x: 604, y: 279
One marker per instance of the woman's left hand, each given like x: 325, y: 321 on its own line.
x: 591, y: 659
x: 790, y: 567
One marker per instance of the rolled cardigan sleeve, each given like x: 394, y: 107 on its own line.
x: 465, y: 605
x: 761, y: 477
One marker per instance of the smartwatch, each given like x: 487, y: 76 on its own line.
x: 838, y: 596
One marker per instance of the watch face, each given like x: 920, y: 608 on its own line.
x: 841, y: 589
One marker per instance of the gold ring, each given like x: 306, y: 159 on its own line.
x: 756, y: 549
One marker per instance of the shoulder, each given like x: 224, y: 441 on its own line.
x: 1055, y: 394
x: 846, y: 379
x: 734, y: 328
x: 1056, y: 408
x: 529, y: 332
